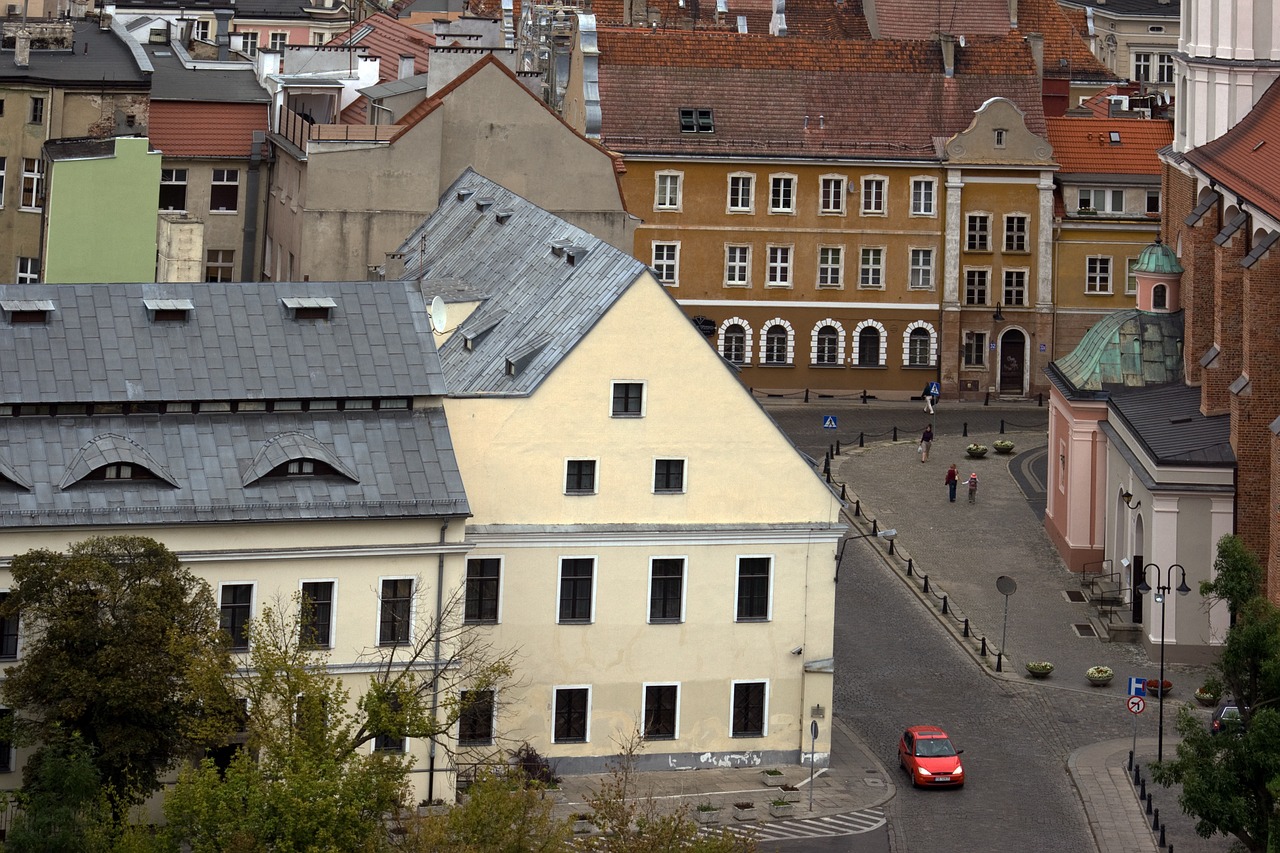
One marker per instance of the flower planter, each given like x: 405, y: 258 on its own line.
x: 707, y: 817
x: 1099, y: 680
x: 741, y: 812
x: 431, y: 811
x: 583, y: 826
x: 773, y: 778
x: 1207, y: 699
x: 777, y: 809
x: 1155, y: 688
x: 976, y: 454
x: 1003, y: 446
x: 790, y: 796
x: 1039, y: 669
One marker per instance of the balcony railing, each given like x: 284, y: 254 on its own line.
x: 300, y: 130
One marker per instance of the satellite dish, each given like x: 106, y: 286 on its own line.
x: 439, y: 315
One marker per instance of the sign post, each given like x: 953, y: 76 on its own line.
x: 1137, y: 689
x: 1006, y: 586
x: 813, y: 740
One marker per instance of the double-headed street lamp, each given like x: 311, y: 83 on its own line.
x: 1163, y: 588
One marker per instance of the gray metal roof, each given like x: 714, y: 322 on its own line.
x: 542, y: 284
x: 221, y: 82
x: 240, y: 342
x: 413, y: 83
x: 1125, y: 349
x: 100, y: 57
x: 1167, y: 420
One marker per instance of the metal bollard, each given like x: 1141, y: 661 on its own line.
x: 857, y: 507
x: 1155, y: 821
x: 828, y: 474
x: 965, y: 434
x: 986, y: 401
x: 999, y: 661
x: 875, y: 527
x: 826, y: 468
x: 926, y: 582
x: 1162, y: 844
x: 864, y: 396
x: 843, y: 494
x: 895, y: 433
x: 1002, y: 426
x: 1149, y: 798
x: 862, y: 439
x: 944, y: 605
x: 806, y: 395
x: 966, y: 626
x: 831, y: 452
x: 837, y: 447
x: 983, y: 651
x: 1142, y: 791
x: 1131, y: 759
x: 910, y: 565
x: 1137, y: 776
x: 1040, y: 399
x: 890, y: 546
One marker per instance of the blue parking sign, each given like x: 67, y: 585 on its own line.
x: 1137, y: 686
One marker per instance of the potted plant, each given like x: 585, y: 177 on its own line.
x: 1003, y: 446
x: 976, y: 451
x: 583, y: 823
x: 1039, y: 668
x: 781, y: 808
x: 789, y: 793
x: 707, y: 813
x: 773, y: 777
x: 744, y: 811
x: 1209, y: 693
x: 1099, y: 676
x: 1156, y: 687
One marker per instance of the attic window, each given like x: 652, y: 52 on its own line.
x: 558, y: 247
x: 302, y: 468
x: 574, y: 254
x: 696, y: 121
x: 27, y: 310
x: 503, y: 215
x: 1001, y: 134
x: 483, y: 204
x: 310, y: 307
x: 465, y: 194
x: 121, y: 471
x: 1114, y: 136
x: 169, y: 310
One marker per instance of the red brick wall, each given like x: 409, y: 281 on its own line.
x: 1255, y: 444
x: 1196, y: 244
x: 1228, y: 328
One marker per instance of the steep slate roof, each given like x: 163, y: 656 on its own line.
x: 1168, y: 422
x: 485, y: 243
x: 106, y: 61
x: 1246, y: 159
x: 761, y: 89
x: 1124, y: 349
x: 237, y: 346
x: 1083, y: 145
x: 383, y: 36
x: 189, y: 129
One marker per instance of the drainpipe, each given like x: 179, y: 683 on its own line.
x: 435, y: 681
x: 248, y: 253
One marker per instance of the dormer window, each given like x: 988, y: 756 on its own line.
x: 1001, y: 134
x: 693, y: 120
x: 309, y: 307
x: 169, y: 310
x: 121, y: 471
x: 302, y: 468
x: 27, y: 310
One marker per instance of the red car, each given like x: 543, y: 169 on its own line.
x: 929, y: 756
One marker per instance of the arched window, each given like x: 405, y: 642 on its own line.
x: 775, y: 345
x: 828, y: 349
x: 734, y: 341
x: 918, y: 347
x: 869, y: 347
x: 1159, y: 298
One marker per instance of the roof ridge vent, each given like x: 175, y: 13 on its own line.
x: 484, y: 203
x: 503, y: 214
x: 575, y: 254
x: 558, y: 247
x: 465, y: 193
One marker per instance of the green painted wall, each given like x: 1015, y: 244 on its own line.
x: 101, y: 216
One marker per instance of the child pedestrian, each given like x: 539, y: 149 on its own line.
x: 951, y: 480
x: 926, y: 441
x: 973, y: 487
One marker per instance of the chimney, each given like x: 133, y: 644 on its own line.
x: 222, y: 37
x: 948, y: 53
x: 1035, y: 41
x: 393, y: 268
x: 406, y: 66
x: 1013, y: 14
x: 22, y: 48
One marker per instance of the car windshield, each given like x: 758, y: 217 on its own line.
x: 934, y: 747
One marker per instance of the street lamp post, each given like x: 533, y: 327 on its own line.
x: 1164, y: 585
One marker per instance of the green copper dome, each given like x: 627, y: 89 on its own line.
x: 1128, y: 349
x: 1158, y: 259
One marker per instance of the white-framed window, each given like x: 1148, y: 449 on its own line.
x: 666, y: 263
x: 975, y: 349
x: 978, y: 232
x: 9, y: 635
x: 1130, y: 277
x: 735, y: 341
x: 1001, y: 137
x: 249, y: 43
x: 778, y: 269
x: 1142, y: 67
x: 571, y: 714
x: 661, y: 712
x: 1101, y: 200
x: 1164, y: 68
x: 482, y: 594
x: 577, y: 592
x: 871, y: 344
x: 1097, y: 274
x: 1015, y: 232
x: 476, y: 712
x: 697, y: 120
x: 742, y: 197
x: 2, y: 163
x: 1015, y: 288
x: 871, y: 268
x: 924, y: 197
x: 669, y: 476
x: 219, y: 265
x: 921, y: 275
x: 830, y: 266
x: 977, y: 286
x: 319, y: 39
x: 753, y: 599
x: 737, y: 266
x: 278, y: 41
x: 235, y: 609
x: 35, y: 115
x: 32, y: 184
x: 667, y: 190
x: 173, y: 189
x: 874, y: 189
x: 750, y: 709
x: 1153, y: 202
x: 827, y: 344
x: 200, y: 30
x: 627, y: 400
x: 777, y: 343
x: 666, y: 590
x: 782, y: 193
x: 920, y: 345
x: 831, y: 193
x: 395, y: 611
x: 28, y: 270
x: 580, y: 476
x: 224, y: 191
x: 315, y: 617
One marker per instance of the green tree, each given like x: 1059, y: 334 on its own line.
x: 63, y: 805
x: 1230, y: 782
x: 122, y: 649
x: 502, y: 813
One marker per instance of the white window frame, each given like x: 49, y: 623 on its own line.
x: 918, y: 205
x: 731, y: 265
x: 1026, y: 286
x: 778, y: 272
x: 595, y: 476
x: 277, y: 40
x: 871, y: 265
x: 33, y: 182
x: 838, y: 361
x: 595, y: 587
x: 684, y: 475
x: 1151, y: 195
x: 737, y: 587
x: 1097, y: 281
x: 377, y: 612
x: 172, y: 181
x: 663, y: 197
x: 1143, y: 64
x: 970, y: 232
x: 555, y: 695
x: 3, y: 166
x: 333, y: 607
x: 684, y: 589
x: 1108, y: 197
x: 964, y: 286
x: 917, y: 272
x: 644, y: 696
x: 832, y: 188
x: 777, y: 184
x: 834, y: 271
x: 933, y: 344
x: 200, y: 29
x: 750, y: 179
x: 733, y: 688
x: 1009, y: 219
x: 248, y: 42
x: 871, y: 205
x: 789, y: 355
x: 1166, y: 69
x: 1130, y: 277
x: 672, y: 263
x: 214, y: 181
x: 31, y: 273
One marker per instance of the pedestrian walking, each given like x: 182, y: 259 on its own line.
x: 926, y: 441
x: 952, y: 480
x: 932, y: 390
x: 973, y: 487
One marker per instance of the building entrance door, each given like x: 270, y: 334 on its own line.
x: 1013, y: 345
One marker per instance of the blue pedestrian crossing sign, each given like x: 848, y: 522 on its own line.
x: 828, y: 421
x: 1137, y: 686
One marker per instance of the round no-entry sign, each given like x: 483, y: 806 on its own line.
x: 1137, y: 704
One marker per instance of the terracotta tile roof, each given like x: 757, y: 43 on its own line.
x: 879, y: 98
x: 924, y: 19
x: 1066, y: 52
x: 388, y: 39
x: 1246, y: 159
x: 1083, y: 144
x: 204, y: 129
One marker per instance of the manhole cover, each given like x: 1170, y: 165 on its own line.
x: 1084, y: 629
x: 1075, y: 596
